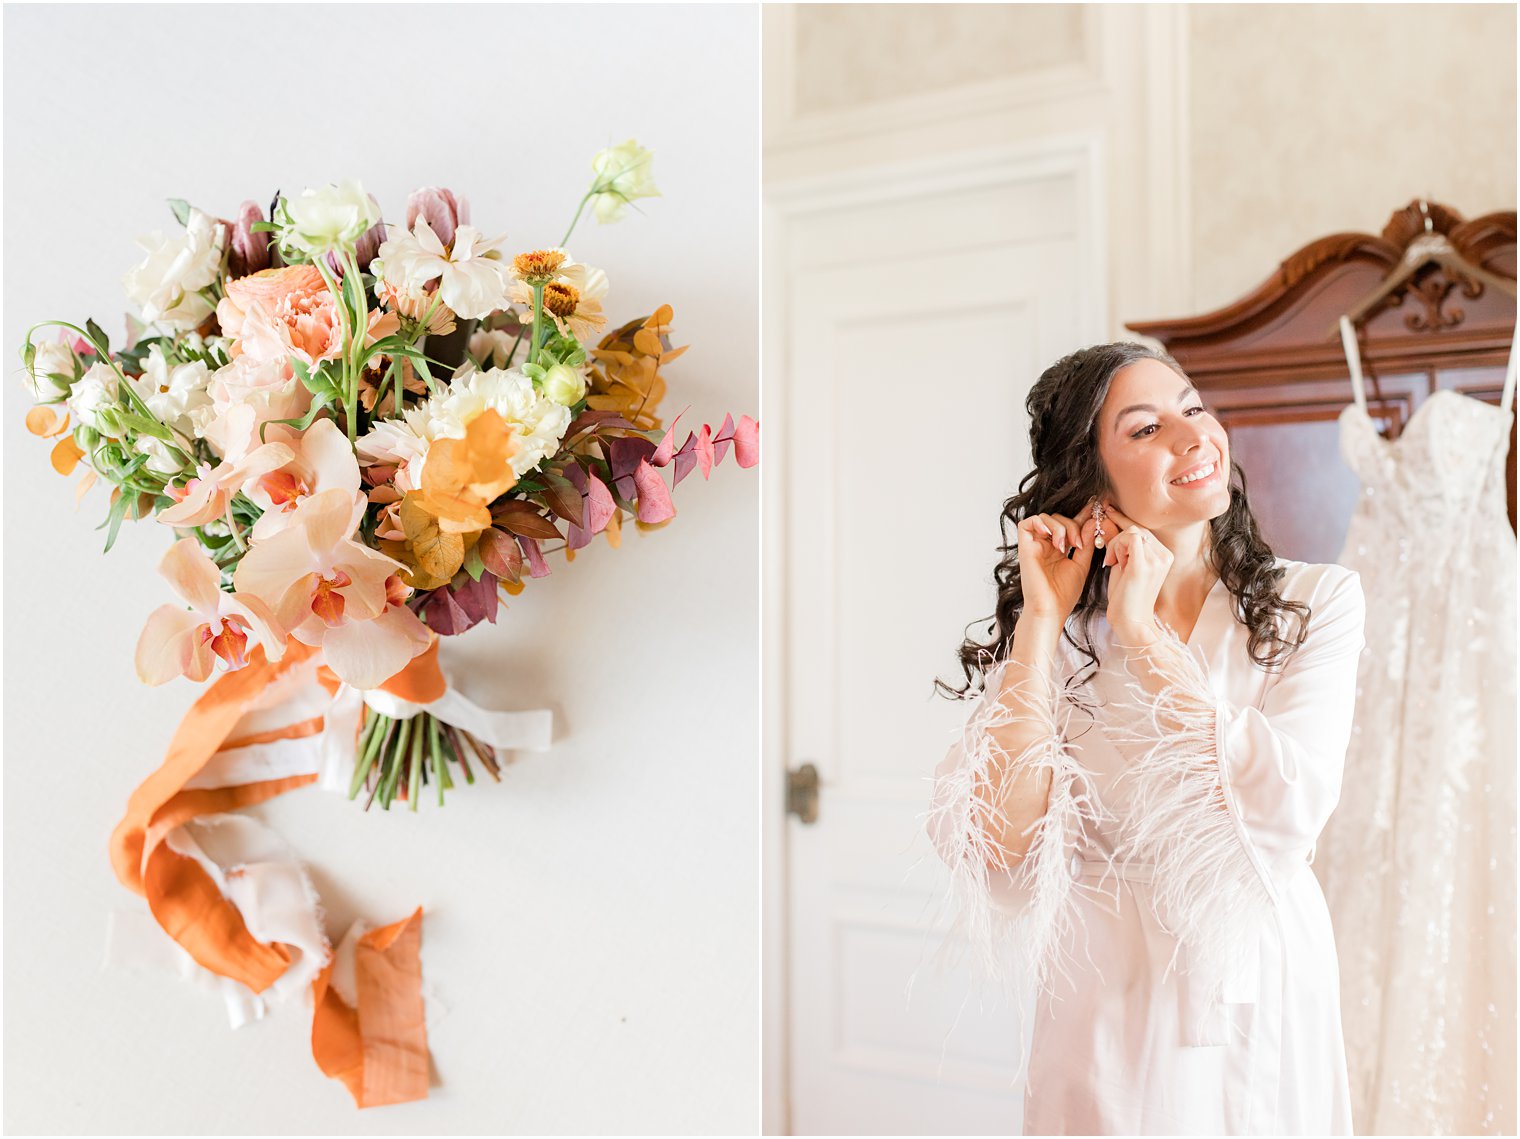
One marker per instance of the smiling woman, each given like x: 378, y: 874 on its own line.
x: 1155, y: 744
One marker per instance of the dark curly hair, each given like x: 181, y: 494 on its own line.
x: 1067, y: 473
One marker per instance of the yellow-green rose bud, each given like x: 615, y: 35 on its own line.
x: 564, y: 385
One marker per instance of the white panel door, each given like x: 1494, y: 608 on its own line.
x: 915, y: 328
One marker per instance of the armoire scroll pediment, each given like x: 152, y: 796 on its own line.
x: 1272, y: 365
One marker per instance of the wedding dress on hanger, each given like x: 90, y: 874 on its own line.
x: 1418, y: 860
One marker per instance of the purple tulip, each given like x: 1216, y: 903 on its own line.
x: 443, y: 211
x: 250, y: 250
x: 368, y: 247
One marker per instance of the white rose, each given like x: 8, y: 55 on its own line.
x: 623, y: 173
x: 95, y: 392
x: 564, y: 385
x: 161, y: 459
x: 167, y: 283
x: 327, y: 219
x: 175, y: 392
x: 53, y: 357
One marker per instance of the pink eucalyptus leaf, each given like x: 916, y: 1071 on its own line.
x: 686, y: 459
x: 747, y: 442
x: 654, y: 496
x: 593, y: 418
x: 705, y: 451
x: 443, y: 614
x: 477, y: 599
x: 662, y: 453
x: 599, y: 505
x: 625, y: 454
x: 724, y: 437
x: 577, y: 537
x: 537, y: 567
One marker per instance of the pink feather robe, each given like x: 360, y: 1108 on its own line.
x: 1166, y: 915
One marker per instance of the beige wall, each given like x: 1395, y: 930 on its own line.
x: 1314, y: 119
x: 846, y: 57
x: 1297, y: 120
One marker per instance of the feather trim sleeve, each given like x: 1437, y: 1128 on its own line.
x: 1017, y: 913
x: 1224, y: 802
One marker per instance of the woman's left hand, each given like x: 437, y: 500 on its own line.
x: 1139, y: 564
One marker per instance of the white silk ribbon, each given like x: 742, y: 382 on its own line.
x: 255, y: 869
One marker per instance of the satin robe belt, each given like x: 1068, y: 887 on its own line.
x: 1203, y: 1021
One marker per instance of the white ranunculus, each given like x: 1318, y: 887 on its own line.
x: 623, y: 173
x: 564, y: 385
x: 167, y: 283
x: 53, y: 357
x: 173, y: 392
x: 537, y: 422
x: 474, y: 278
x: 95, y: 392
x: 323, y: 220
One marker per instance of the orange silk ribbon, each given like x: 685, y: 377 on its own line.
x: 380, y: 1049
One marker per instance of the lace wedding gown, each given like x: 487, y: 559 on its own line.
x: 1418, y: 861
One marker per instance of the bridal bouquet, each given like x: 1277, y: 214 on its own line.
x: 362, y: 435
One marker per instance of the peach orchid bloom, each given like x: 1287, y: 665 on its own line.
x: 323, y: 459
x: 206, y: 497
x: 331, y: 591
x: 177, y: 643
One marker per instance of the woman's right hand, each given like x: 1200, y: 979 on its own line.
x: 1051, y: 580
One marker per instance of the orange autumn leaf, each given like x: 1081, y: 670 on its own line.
x: 46, y: 422
x: 463, y: 476
x: 66, y: 455
x: 614, y: 530
x: 627, y: 377
x: 436, y: 553
x: 85, y: 483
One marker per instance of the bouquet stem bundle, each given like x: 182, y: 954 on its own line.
x: 398, y: 757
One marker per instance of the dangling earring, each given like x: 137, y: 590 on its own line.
x: 1097, y: 511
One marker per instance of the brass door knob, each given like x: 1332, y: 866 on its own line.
x: 802, y: 793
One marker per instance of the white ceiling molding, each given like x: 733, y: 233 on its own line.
x: 1131, y: 92
x: 787, y: 128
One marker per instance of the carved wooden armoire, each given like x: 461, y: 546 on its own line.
x: 1272, y: 368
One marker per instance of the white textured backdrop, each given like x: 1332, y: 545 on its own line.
x: 591, y: 922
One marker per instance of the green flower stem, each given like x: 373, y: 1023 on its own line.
x: 538, y: 322
x: 456, y: 748
x: 374, y: 732
x: 345, y: 381
x: 355, y: 349
x: 414, y: 781
x: 440, y: 773
x: 395, y: 761
x: 237, y: 531
x: 594, y: 190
